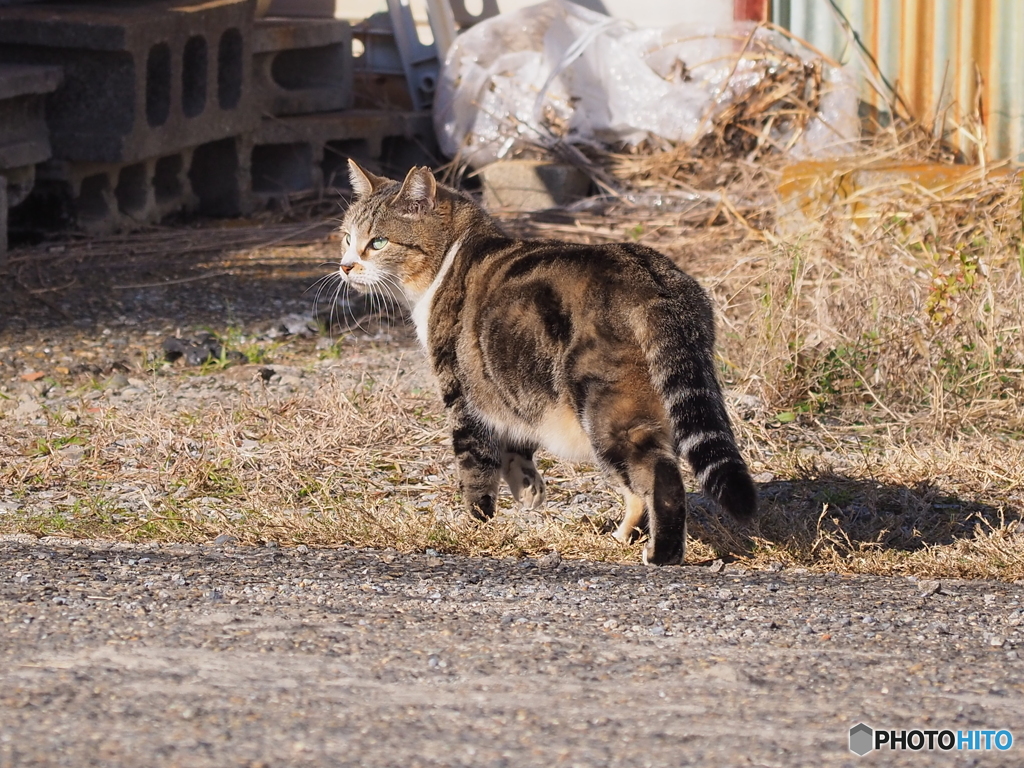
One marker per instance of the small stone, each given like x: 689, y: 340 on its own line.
x: 71, y: 454
x: 747, y: 407
x: 26, y: 409
x: 717, y: 566
x: 551, y: 560
x: 9, y: 507
x: 116, y: 383
x: 996, y: 642
x: 224, y: 540
x: 929, y: 587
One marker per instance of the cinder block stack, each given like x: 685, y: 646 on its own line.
x: 304, y: 74
x: 24, y: 139
x: 151, y: 92
x: 160, y: 106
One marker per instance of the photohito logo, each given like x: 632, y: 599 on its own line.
x: 864, y: 738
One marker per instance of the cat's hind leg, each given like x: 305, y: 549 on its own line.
x: 631, y: 439
x: 523, y: 477
x: 633, y: 525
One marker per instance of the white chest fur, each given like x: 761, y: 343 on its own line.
x: 421, y: 308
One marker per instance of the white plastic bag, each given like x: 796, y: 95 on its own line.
x: 557, y: 71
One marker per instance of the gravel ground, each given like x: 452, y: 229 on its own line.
x: 223, y: 655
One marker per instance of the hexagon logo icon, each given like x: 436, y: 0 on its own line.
x: 861, y: 739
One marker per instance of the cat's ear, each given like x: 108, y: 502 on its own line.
x: 418, y: 194
x: 363, y: 182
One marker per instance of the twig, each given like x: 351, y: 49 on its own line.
x: 173, y: 282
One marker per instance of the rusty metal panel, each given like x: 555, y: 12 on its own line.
x: 937, y: 52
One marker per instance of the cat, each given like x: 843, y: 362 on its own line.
x: 600, y: 353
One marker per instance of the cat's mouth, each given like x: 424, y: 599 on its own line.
x: 358, y: 285
x: 357, y: 278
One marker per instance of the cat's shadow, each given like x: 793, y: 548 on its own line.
x: 848, y: 516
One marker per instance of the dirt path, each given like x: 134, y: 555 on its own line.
x: 220, y: 656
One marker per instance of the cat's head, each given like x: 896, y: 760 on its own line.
x: 395, y: 234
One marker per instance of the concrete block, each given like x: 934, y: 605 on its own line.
x: 19, y: 183
x: 24, y: 138
x: 140, y: 78
x: 380, y: 80
x: 220, y: 178
x: 321, y: 9
x: 531, y: 185
x: 308, y: 153
x: 302, y: 65
x: 99, y: 198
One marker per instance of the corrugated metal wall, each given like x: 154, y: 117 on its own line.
x: 934, y: 50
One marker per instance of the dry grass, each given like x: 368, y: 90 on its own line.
x: 875, y: 362
x: 872, y: 336
x: 369, y: 466
x: 910, y: 311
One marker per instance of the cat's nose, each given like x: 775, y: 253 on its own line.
x: 346, y: 268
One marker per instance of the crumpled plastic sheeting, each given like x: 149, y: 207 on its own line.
x: 559, y: 71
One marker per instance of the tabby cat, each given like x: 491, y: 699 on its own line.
x: 601, y: 353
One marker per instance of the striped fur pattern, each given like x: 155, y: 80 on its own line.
x: 601, y: 353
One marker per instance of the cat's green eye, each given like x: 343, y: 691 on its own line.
x: 348, y: 239
x: 378, y: 242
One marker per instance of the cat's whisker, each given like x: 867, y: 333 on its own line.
x: 340, y: 297
x: 335, y: 318
x: 394, y: 289
x: 323, y: 284
x: 320, y: 285
x: 326, y: 278
x: 357, y: 322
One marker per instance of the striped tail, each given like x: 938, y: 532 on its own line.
x: 680, y: 355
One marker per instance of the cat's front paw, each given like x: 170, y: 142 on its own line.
x: 524, y: 481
